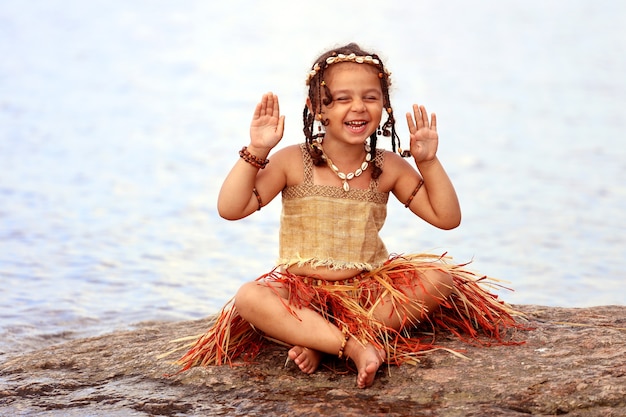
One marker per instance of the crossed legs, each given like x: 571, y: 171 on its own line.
x: 312, y: 335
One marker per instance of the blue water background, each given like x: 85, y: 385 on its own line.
x: 119, y: 120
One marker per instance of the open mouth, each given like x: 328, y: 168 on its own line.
x: 356, y: 125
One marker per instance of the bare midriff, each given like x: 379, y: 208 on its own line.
x: 324, y: 273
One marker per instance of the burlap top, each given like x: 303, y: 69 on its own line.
x: 326, y: 226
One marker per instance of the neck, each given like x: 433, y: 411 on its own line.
x: 345, y: 154
x: 344, y: 174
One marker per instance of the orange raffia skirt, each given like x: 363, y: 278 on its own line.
x: 471, y: 312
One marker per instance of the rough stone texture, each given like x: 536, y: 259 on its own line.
x: 573, y: 362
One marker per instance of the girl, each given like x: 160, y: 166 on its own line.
x: 336, y: 290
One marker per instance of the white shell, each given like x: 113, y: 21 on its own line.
x: 350, y: 175
x: 368, y: 157
x: 358, y: 172
x: 334, y: 167
x: 364, y: 166
x: 346, y: 187
x: 341, y: 175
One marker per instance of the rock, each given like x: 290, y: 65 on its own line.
x: 573, y: 362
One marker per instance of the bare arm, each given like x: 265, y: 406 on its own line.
x: 236, y: 198
x: 436, y: 201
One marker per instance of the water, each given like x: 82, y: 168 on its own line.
x: 118, y: 121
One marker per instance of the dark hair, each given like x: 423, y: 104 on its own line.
x: 319, y: 94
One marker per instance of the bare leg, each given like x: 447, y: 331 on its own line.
x: 434, y: 286
x: 311, y: 334
x: 264, y: 309
x: 425, y: 296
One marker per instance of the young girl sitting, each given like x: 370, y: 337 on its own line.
x: 335, y: 289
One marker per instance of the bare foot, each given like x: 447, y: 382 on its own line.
x: 367, y: 360
x: 307, y: 359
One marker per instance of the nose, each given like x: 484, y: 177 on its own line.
x: 358, y: 105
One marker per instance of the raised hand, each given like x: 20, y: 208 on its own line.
x: 424, y: 136
x: 267, y: 126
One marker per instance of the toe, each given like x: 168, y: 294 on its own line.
x: 294, y: 352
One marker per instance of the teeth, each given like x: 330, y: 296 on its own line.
x: 356, y: 123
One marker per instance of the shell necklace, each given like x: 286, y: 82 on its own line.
x: 350, y: 175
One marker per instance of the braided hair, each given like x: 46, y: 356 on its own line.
x: 319, y: 94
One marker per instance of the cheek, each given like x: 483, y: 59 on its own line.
x: 377, y: 114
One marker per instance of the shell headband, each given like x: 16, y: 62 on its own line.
x: 358, y: 59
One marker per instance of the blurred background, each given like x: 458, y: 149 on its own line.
x: 120, y: 119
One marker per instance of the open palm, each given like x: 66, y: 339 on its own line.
x: 267, y: 126
x: 424, y: 136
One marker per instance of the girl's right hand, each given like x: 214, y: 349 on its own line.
x: 267, y: 126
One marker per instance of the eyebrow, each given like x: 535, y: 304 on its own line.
x: 347, y: 90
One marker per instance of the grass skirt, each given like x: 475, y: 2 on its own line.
x: 471, y: 312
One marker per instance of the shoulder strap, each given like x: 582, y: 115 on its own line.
x: 308, y: 164
x: 380, y: 159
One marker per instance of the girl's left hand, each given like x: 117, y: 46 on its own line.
x: 424, y: 136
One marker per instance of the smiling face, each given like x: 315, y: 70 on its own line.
x: 357, y: 102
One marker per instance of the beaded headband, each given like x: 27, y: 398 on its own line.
x: 358, y: 59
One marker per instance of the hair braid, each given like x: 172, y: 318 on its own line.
x: 389, y: 127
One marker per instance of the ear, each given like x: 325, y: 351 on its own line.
x: 313, y: 111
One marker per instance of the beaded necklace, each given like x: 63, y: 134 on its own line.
x: 350, y: 175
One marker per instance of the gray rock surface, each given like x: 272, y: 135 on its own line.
x: 573, y: 362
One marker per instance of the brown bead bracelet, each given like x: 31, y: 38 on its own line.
x: 258, y: 198
x: 253, y: 160
x: 344, y: 342
x: 419, y: 185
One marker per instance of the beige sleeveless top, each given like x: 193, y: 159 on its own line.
x: 325, y: 226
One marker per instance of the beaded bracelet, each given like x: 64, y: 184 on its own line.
x: 343, y: 344
x: 253, y: 160
x: 258, y: 198
x: 419, y: 185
